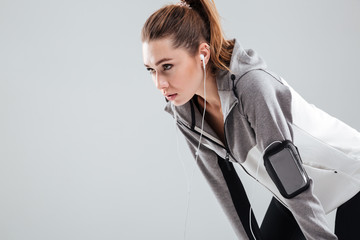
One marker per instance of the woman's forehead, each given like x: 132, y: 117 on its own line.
x: 156, y: 50
x: 157, y: 46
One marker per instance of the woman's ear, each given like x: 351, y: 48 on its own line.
x: 204, y: 49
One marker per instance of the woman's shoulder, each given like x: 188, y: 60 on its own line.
x: 260, y: 81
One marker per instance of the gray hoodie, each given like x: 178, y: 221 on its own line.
x: 260, y: 108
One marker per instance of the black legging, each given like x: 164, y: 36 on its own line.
x: 347, y: 219
x: 279, y: 222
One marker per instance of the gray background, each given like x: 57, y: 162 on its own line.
x: 86, y: 150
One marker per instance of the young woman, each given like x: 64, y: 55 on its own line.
x: 232, y: 109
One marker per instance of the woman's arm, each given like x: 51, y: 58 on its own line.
x: 266, y: 103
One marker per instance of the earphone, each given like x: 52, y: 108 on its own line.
x: 202, y: 59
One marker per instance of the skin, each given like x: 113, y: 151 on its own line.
x: 175, y: 71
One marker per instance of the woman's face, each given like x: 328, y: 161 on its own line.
x: 176, y: 73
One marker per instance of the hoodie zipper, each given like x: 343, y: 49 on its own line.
x: 227, y: 161
x: 226, y: 147
x: 227, y: 155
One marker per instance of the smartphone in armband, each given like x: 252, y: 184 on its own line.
x: 284, y: 166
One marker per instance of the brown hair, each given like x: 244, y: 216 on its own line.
x: 188, y: 27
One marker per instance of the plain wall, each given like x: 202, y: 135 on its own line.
x: 86, y: 150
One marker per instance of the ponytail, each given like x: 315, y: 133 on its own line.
x: 220, y: 48
x: 189, y: 26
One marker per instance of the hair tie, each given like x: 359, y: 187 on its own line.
x: 182, y: 3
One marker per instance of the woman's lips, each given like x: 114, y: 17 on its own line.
x: 171, y: 97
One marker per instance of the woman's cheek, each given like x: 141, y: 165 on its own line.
x: 177, y: 77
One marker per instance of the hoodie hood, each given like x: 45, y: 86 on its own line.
x: 242, y: 61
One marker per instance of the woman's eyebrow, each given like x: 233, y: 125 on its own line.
x: 160, y: 61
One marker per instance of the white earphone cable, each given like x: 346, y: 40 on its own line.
x: 256, y: 177
x: 196, y: 152
x: 186, y: 176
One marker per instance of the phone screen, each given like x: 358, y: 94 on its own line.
x: 291, y: 177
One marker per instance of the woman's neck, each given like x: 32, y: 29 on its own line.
x: 212, y: 95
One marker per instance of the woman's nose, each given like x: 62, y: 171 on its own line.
x: 160, y: 82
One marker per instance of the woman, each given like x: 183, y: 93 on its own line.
x: 232, y: 109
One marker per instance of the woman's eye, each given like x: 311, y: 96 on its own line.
x: 150, y: 70
x: 167, y: 66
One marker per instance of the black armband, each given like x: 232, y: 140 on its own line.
x: 284, y: 166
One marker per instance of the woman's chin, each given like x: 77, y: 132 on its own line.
x: 179, y: 102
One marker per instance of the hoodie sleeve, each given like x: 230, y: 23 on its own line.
x: 266, y: 103
x: 227, y: 187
